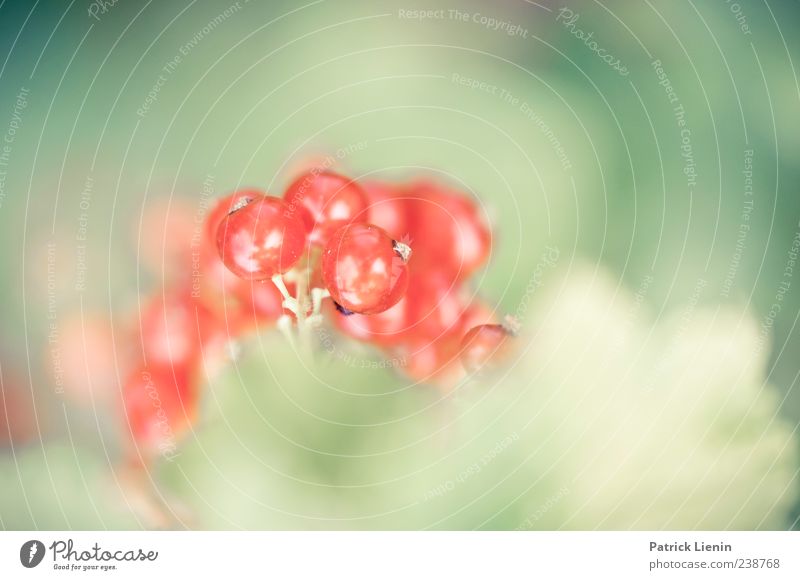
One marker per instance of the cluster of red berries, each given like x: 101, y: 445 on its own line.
x: 384, y: 263
x: 438, y: 327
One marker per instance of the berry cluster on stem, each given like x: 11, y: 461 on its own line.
x: 384, y: 263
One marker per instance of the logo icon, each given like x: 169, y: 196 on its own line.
x: 31, y: 553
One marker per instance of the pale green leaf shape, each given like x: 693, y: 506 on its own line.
x: 650, y: 422
x: 608, y: 417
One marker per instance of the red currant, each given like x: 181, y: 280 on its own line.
x: 175, y: 328
x: 484, y: 346
x: 164, y: 235
x: 434, y: 362
x: 477, y: 313
x: 363, y: 269
x: 456, y: 239
x: 261, y: 239
x: 218, y: 286
x: 225, y: 206
x: 261, y: 301
x: 88, y: 360
x: 387, y: 208
x: 437, y: 305
x: 160, y: 403
x: 325, y: 201
x: 19, y: 420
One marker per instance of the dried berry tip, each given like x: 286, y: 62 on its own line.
x: 240, y: 203
x: 511, y: 325
x: 342, y: 309
x: 402, y: 250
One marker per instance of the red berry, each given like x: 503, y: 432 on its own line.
x: 362, y: 269
x: 240, y: 305
x: 160, y: 402
x: 261, y: 301
x: 436, y: 304
x: 450, y: 234
x: 20, y: 420
x: 218, y: 286
x: 225, y: 206
x: 261, y: 239
x: 175, y: 328
x: 88, y: 359
x: 484, y: 346
x: 388, y: 207
x: 325, y: 201
x: 434, y: 362
x: 164, y: 236
x: 477, y: 313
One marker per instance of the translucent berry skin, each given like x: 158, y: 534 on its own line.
x: 163, y: 237
x: 261, y: 239
x: 477, y: 313
x: 325, y: 201
x: 160, y: 403
x: 88, y: 358
x: 483, y: 346
x: 388, y: 208
x: 437, y: 304
x: 456, y: 239
x: 261, y: 302
x: 175, y: 328
x: 362, y: 271
x: 435, y: 362
x: 218, y: 286
x: 226, y: 205
x: 19, y: 420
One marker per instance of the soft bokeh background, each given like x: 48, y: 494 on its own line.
x: 655, y: 384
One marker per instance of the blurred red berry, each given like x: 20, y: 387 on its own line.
x: 388, y: 209
x: 362, y: 269
x: 261, y: 302
x: 216, y: 286
x: 436, y: 304
x: 449, y: 231
x: 434, y: 361
x: 477, y: 313
x: 325, y: 201
x: 160, y: 402
x: 261, y: 239
x: 484, y: 346
x: 164, y: 236
x: 174, y: 329
x: 18, y: 417
x: 88, y: 358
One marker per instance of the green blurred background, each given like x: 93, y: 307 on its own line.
x: 657, y: 385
